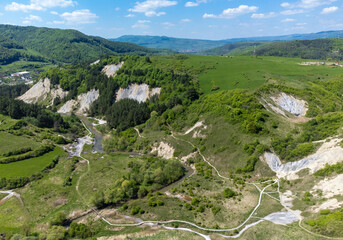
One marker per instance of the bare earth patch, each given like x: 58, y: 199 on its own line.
x: 329, y: 204
x: 331, y: 187
x: 329, y: 153
x: 163, y: 150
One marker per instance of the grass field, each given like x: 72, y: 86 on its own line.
x: 250, y: 73
x: 10, y: 142
x: 30, y: 166
x: 12, y: 216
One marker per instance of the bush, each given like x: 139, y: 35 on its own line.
x: 229, y: 193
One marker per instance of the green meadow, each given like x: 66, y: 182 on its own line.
x: 30, y: 166
x: 10, y: 142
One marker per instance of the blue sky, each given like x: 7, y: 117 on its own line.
x: 202, y: 19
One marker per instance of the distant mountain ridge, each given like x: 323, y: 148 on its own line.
x: 198, y: 45
x: 175, y: 44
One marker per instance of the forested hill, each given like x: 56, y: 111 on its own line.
x: 69, y: 46
x: 11, y: 51
x: 307, y: 49
x: 233, y: 49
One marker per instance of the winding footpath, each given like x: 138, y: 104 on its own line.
x: 162, y: 223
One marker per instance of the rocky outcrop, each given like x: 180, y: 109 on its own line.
x: 329, y: 153
x: 295, y: 106
x: 82, y: 104
x: 163, y: 150
x: 42, y: 92
x: 141, y: 92
x: 111, y: 70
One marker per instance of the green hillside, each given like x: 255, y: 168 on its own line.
x: 233, y: 49
x: 307, y: 49
x: 192, y: 158
x: 68, y: 46
x: 11, y: 51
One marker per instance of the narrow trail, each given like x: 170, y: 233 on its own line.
x: 10, y: 194
x: 206, y: 237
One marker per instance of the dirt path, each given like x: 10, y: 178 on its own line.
x: 277, y: 218
x: 10, y: 194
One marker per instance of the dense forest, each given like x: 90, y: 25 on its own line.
x: 308, y: 49
x: 11, y: 51
x: 68, y: 46
x: 33, y: 113
x: 176, y: 88
x: 13, y: 91
x: 143, y: 178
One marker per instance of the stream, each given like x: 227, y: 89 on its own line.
x: 97, y: 146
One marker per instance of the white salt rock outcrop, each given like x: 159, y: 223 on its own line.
x: 82, y: 104
x: 329, y: 153
x: 297, y: 107
x: 111, y: 70
x: 141, y: 92
x: 42, y: 91
x: 163, y: 150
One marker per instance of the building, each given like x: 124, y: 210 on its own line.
x: 22, y: 74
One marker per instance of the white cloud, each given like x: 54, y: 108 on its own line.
x: 329, y: 10
x: 233, y: 12
x: 54, y: 13
x: 292, y: 12
x: 117, y: 9
x: 288, y: 20
x: 38, y: 5
x: 33, y: 18
x: 130, y: 15
x: 195, y: 4
x: 141, y: 24
x: 263, y: 16
x: 301, y: 24
x: 56, y: 22
x: 79, y: 17
x: 185, y: 20
x: 168, y: 24
x: 27, y: 22
x: 149, y: 7
x: 154, y: 14
x: 307, y: 4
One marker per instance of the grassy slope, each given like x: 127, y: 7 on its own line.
x: 44, y: 196
x: 10, y: 142
x: 30, y: 166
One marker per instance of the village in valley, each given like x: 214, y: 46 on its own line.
x: 17, y: 78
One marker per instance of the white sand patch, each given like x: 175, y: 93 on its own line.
x: 86, y: 99
x: 76, y: 148
x: 330, y: 187
x: 197, y: 125
x: 68, y: 107
x: 99, y: 122
x: 83, y: 103
x: 191, y: 155
x: 329, y: 153
x: 295, y: 106
x: 42, y: 91
x: 140, y: 92
x: 163, y: 150
x: 111, y: 70
x: 96, y: 62
x: 330, y: 204
x: 287, y: 199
